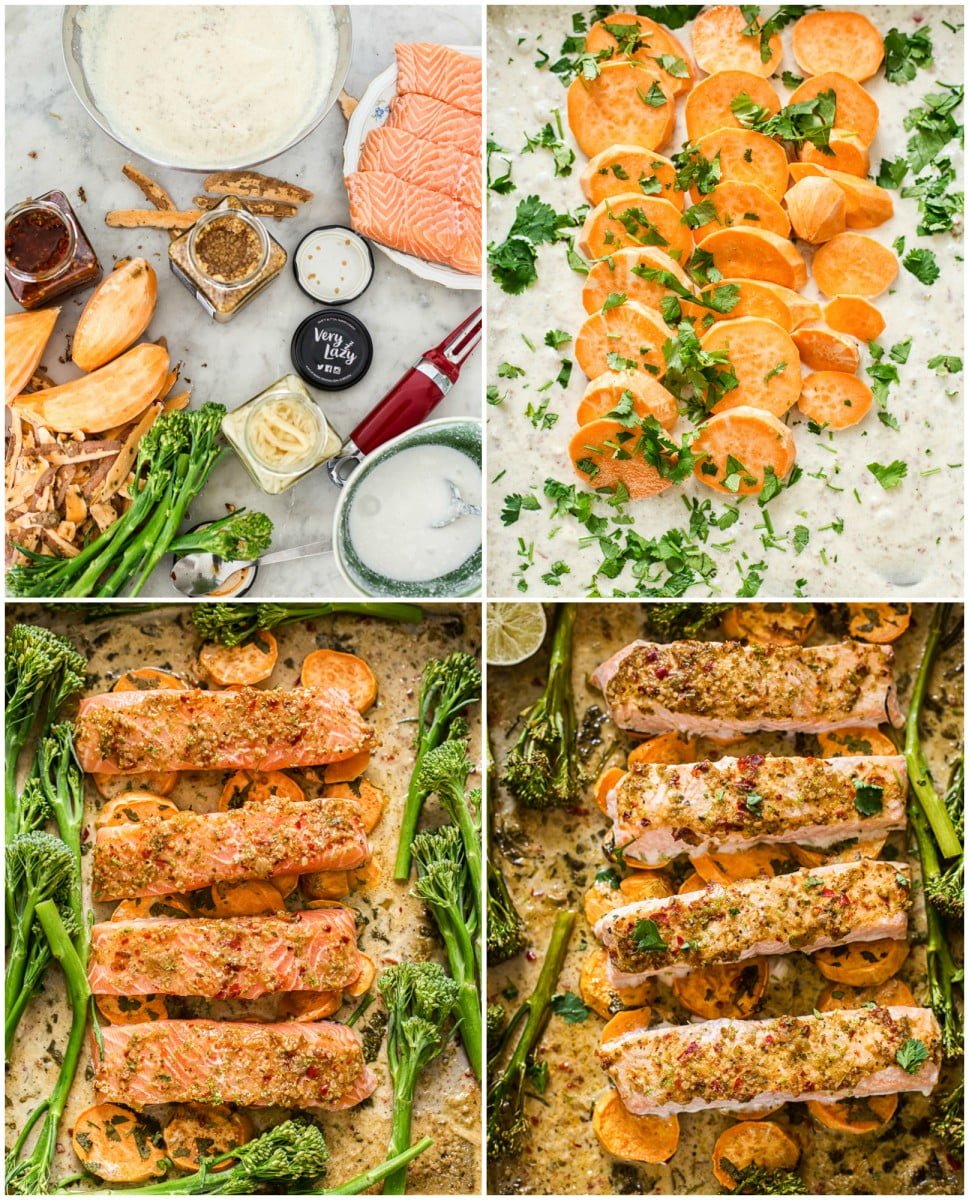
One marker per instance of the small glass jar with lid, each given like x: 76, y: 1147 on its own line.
x: 226, y: 258
x: 47, y: 253
x: 281, y: 434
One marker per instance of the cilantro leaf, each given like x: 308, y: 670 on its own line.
x: 905, y: 53
x: 889, y: 476
x: 922, y: 264
x: 673, y: 16
x: 869, y: 798
x: 569, y: 1007
x: 646, y: 937
x: 515, y: 505
x: 911, y: 1054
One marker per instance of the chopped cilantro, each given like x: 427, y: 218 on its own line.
x: 614, y: 300
x: 807, y: 121
x: 922, y: 264
x: 507, y: 370
x: 565, y: 373
x: 911, y: 1054
x: 889, y: 476
x: 557, y: 337
x: 945, y: 364
x: 700, y: 214
x: 869, y: 798
x: 905, y: 53
x: 515, y: 505
x: 646, y: 936
x: 569, y: 1007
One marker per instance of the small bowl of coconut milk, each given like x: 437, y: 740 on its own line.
x: 408, y: 523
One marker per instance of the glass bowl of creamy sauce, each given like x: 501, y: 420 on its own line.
x: 207, y: 87
x: 402, y: 528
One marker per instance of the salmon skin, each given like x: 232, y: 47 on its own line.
x: 225, y: 958
x: 190, y: 850
x: 305, y: 1064
x: 748, y: 1065
x: 254, y: 729
x: 717, y: 688
x: 805, y: 910
x: 661, y: 810
x: 439, y: 72
x: 415, y: 220
x: 424, y: 164
x: 436, y: 121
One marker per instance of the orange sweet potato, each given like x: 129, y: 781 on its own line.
x: 25, y: 336
x: 118, y: 312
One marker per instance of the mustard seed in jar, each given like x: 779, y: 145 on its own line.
x: 229, y: 249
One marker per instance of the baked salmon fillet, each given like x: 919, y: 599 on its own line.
x: 436, y: 121
x: 305, y: 1064
x: 255, y: 729
x: 424, y: 164
x: 748, y: 1065
x: 805, y: 910
x: 415, y: 220
x: 717, y: 688
x: 440, y: 72
x: 190, y: 850
x: 226, y: 958
x: 661, y: 810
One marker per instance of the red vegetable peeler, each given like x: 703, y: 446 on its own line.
x: 412, y: 398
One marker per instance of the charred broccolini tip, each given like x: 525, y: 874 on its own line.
x: 758, y: 1181
x: 507, y: 931
x: 946, y: 891
x: 542, y: 768
x: 420, y: 999
x: 241, y: 536
x: 949, y: 1123
x: 507, y: 1125
x: 494, y: 1026
x: 233, y: 624
x: 673, y: 621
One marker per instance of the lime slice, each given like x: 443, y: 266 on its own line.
x: 515, y: 632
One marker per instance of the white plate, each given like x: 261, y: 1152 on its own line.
x: 371, y: 112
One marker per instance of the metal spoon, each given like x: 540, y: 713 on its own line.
x: 459, y: 507
x: 202, y: 574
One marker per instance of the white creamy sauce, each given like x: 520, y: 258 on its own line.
x: 906, y: 542
x: 209, y: 85
x: 394, y: 511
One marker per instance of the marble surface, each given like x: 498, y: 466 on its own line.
x: 52, y: 143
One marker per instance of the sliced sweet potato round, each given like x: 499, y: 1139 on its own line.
x: 735, y: 449
x: 368, y: 799
x: 862, y: 964
x: 143, y: 908
x: 117, y: 1145
x: 834, y: 399
x: 197, y: 1131
x: 110, y: 786
x: 855, y: 110
x: 763, y: 357
x: 753, y: 1143
x: 631, y: 1138
x: 754, y: 299
x: 837, y: 41
x: 855, y: 740
x: 708, y: 106
x: 134, y: 807
x: 646, y: 41
x: 256, y: 787
x: 755, y: 862
x: 855, y: 315
x: 850, y: 850
x: 632, y: 220
x: 879, y: 623
x: 604, y: 997
x: 248, y: 663
x: 600, y: 899
x: 148, y: 679
x: 732, y: 990
x: 738, y: 203
x: 848, y: 153
x: 823, y: 349
x: 640, y: 273
x: 892, y: 993
x: 604, y: 454
x: 626, y: 168
x: 629, y: 337
x: 749, y: 157
x: 772, y: 624
x: 857, y: 1115
x: 649, y: 398
x: 253, y: 898
x: 756, y: 254
x: 645, y: 885
x: 310, y: 1006
x: 664, y: 748
x: 720, y: 42
x: 132, y: 1010
x: 854, y: 264
x: 609, y: 109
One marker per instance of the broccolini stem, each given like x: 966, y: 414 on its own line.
x: 919, y: 774
x: 538, y: 1003
x: 405, y: 1084
x: 360, y: 1183
x: 414, y: 801
x: 104, y: 548
x: 32, y: 1174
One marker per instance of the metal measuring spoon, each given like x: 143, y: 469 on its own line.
x: 459, y: 507
x: 202, y: 574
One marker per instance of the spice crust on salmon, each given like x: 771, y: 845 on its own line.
x: 254, y: 729
x: 225, y: 958
x: 312, y: 1064
x: 717, y: 688
x: 189, y: 850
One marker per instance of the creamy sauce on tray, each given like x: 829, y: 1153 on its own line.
x: 395, y: 510
x: 209, y: 85
x: 551, y: 860
x: 907, y: 541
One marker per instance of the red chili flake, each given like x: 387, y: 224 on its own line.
x: 652, y: 654
x: 312, y: 1072
x: 827, y: 893
x: 662, y: 672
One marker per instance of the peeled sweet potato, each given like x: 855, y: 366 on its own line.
x: 113, y: 395
x: 118, y: 313
x: 25, y: 335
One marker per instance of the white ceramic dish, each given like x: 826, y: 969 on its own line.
x: 372, y: 112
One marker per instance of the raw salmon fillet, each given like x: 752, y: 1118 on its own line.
x: 711, y: 688
x: 746, y: 1065
x: 415, y: 220
x: 436, y: 121
x: 226, y: 958
x: 193, y: 850
x: 662, y: 810
x: 424, y: 164
x: 440, y: 72
x: 293, y: 1064
x: 254, y: 729
x: 805, y: 910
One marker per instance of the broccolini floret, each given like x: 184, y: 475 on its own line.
x: 542, y: 769
x: 672, y: 621
x: 946, y: 891
x: 949, y: 1122
x: 233, y: 624
x: 758, y: 1181
x: 239, y: 537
